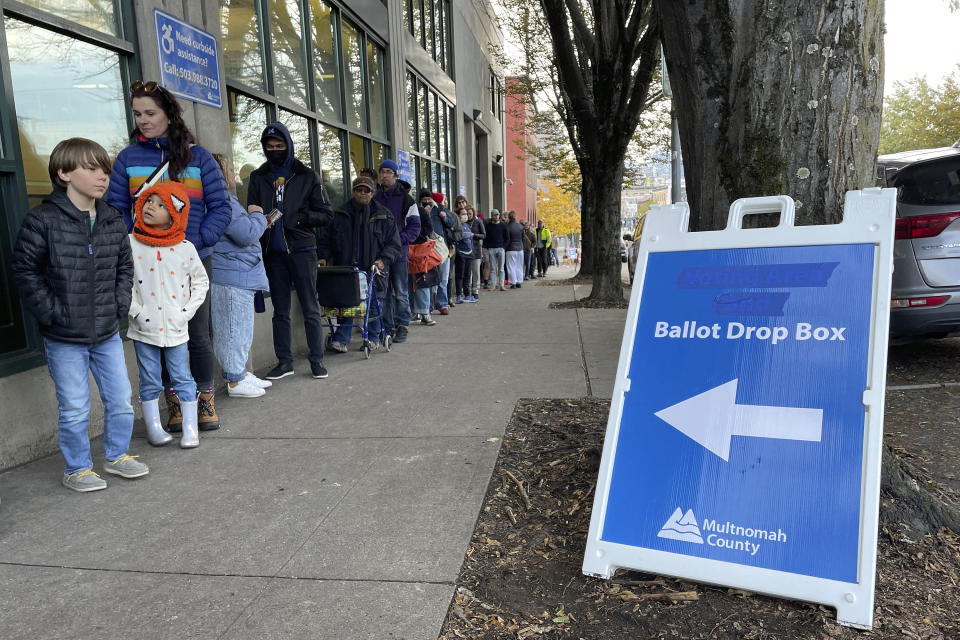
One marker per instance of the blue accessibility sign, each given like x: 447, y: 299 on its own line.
x: 188, y: 60
x: 744, y: 427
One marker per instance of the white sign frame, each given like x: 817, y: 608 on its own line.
x: 869, y: 217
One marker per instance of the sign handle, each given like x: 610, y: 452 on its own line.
x: 767, y: 204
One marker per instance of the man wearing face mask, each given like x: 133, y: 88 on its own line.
x: 286, y: 187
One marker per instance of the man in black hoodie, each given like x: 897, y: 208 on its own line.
x: 296, y: 193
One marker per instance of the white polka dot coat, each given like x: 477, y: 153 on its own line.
x: 169, y: 285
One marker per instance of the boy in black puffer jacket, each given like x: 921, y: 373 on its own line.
x: 73, y: 267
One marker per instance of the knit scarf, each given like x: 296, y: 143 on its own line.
x: 158, y: 237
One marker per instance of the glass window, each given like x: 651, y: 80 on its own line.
x: 356, y: 111
x: 248, y: 117
x: 449, y: 66
x: 430, y: 33
x: 442, y: 33
x: 378, y: 92
x: 326, y: 60
x: 435, y: 183
x: 240, y: 38
x: 299, y: 129
x: 418, y: 21
x: 444, y: 130
x: 94, y: 14
x: 424, y: 173
x: 423, y: 124
x: 358, y: 156
x: 435, y: 126
x: 407, y: 23
x: 286, y: 34
x: 62, y: 88
x: 331, y: 163
x: 412, y: 112
x: 380, y: 153
x: 446, y: 183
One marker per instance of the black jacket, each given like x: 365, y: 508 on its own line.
x: 305, y: 204
x: 479, y: 231
x: 339, y: 241
x: 77, y: 281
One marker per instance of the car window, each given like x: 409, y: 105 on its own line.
x: 930, y: 183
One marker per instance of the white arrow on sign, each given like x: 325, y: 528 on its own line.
x: 711, y: 418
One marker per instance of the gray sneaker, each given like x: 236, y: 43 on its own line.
x: 126, y: 467
x: 83, y: 481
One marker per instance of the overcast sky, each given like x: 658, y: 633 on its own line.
x: 921, y: 40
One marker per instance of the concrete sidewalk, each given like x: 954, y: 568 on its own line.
x: 336, y: 508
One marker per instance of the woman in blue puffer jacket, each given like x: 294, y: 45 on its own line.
x: 238, y: 273
x: 161, y: 135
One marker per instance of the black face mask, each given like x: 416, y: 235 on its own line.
x: 276, y: 156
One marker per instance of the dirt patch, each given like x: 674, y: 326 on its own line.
x: 587, y: 303
x: 521, y: 577
x: 566, y: 282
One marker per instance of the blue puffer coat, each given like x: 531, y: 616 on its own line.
x: 237, y: 258
x: 209, y: 198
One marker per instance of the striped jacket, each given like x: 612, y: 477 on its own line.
x: 209, y: 200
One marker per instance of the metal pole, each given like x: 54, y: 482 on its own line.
x: 674, y: 158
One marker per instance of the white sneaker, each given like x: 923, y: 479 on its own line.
x: 245, y: 389
x: 263, y: 384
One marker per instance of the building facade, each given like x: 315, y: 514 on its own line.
x: 355, y: 81
x: 522, y: 182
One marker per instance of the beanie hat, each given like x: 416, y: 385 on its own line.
x: 494, y: 212
x: 425, y: 193
x: 365, y: 181
x: 437, y: 197
x: 389, y: 164
x: 176, y: 201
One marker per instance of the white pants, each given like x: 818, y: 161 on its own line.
x: 515, y: 267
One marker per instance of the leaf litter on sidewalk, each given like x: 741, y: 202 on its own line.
x: 521, y: 577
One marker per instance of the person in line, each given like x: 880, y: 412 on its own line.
x: 73, y: 267
x: 443, y: 223
x: 285, y: 187
x: 463, y: 260
x: 514, y: 251
x: 170, y: 284
x: 361, y: 234
x: 161, y: 138
x: 528, y: 242
x: 420, y: 300
x: 496, y: 241
x: 543, y: 249
x: 394, y: 195
x: 479, y: 232
x: 238, y: 273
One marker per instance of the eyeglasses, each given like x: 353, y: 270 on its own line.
x: 149, y: 87
x: 363, y: 190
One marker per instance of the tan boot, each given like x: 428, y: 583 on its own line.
x: 174, y: 414
x: 207, y: 412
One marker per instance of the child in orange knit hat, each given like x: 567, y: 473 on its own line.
x: 169, y: 285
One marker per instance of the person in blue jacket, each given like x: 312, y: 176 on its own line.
x: 238, y: 273
x: 161, y: 136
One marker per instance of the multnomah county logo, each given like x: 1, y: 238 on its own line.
x: 681, y: 526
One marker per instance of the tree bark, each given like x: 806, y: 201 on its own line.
x: 587, y: 232
x: 775, y: 98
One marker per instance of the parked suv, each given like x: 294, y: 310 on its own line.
x: 926, y: 262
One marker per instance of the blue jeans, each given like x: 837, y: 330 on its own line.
x: 178, y: 367
x: 396, y: 307
x: 70, y: 365
x: 497, y: 260
x: 231, y: 309
x: 440, y: 291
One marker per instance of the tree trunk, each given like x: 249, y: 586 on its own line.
x: 775, y: 98
x: 607, y: 283
x: 587, y: 231
x: 785, y: 98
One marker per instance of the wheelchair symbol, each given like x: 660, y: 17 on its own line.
x: 166, y: 40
